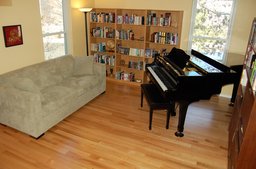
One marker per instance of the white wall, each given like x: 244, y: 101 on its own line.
x: 26, y: 13
x: 76, y: 27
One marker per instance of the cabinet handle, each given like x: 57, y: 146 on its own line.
x: 241, y: 97
x: 241, y: 126
x: 242, y: 129
x: 234, y: 134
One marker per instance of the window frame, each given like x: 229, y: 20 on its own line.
x: 64, y: 32
x: 229, y: 32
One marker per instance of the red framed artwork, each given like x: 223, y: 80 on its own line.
x: 12, y: 35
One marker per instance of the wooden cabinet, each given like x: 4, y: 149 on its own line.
x: 127, y: 39
x: 242, y: 129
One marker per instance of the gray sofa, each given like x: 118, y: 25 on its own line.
x: 35, y: 98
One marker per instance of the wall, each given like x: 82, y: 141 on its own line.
x: 26, y: 13
x: 245, y: 13
x: 76, y: 27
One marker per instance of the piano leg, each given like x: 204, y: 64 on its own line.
x: 182, y: 117
x: 172, y: 108
x: 150, y: 118
x: 170, y: 112
x: 141, y: 99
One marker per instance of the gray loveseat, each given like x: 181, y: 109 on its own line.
x: 35, y: 98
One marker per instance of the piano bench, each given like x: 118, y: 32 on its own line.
x: 156, y: 102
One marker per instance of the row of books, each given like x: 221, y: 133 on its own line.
x: 105, y: 32
x: 165, y: 38
x: 133, y: 19
x: 253, y: 76
x: 253, y: 38
x: 106, y: 59
x: 151, y: 52
x: 125, y: 34
x: 163, y: 20
x: 130, y: 51
x: 250, y: 57
x: 152, y: 19
x: 102, y: 17
x: 98, y: 47
x: 136, y: 65
x: 121, y: 75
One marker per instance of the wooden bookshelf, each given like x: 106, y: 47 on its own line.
x: 127, y: 39
x: 242, y: 129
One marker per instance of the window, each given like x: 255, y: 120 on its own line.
x: 52, y: 21
x: 211, y: 27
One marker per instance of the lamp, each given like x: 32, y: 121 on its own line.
x: 86, y: 10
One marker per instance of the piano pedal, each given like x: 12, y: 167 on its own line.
x: 179, y: 134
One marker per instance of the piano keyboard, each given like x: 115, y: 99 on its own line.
x: 161, y: 84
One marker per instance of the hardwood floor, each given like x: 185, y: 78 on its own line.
x: 111, y: 132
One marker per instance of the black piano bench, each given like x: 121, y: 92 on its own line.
x: 156, y: 102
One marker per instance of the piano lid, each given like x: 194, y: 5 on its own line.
x: 204, y: 65
x: 217, y: 65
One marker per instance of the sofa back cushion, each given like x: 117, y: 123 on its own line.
x: 64, y: 66
x: 83, y: 66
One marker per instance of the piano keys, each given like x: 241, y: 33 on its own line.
x: 185, y: 79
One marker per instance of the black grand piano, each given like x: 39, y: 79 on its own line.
x: 184, y: 79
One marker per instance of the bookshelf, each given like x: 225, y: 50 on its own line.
x: 127, y: 39
x: 242, y: 129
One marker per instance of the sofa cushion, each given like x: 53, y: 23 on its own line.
x: 57, y: 96
x: 86, y: 82
x: 45, y: 79
x: 83, y: 66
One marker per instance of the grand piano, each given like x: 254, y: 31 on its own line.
x: 185, y: 79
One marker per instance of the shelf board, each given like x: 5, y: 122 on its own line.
x: 126, y: 24
x: 153, y: 43
x: 128, y: 68
x: 106, y: 52
x: 128, y: 40
x: 123, y: 81
x: 103, y: 23
x: 93, y: 37
x: 131, y: 56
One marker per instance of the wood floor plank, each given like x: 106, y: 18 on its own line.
x: 111, y: 132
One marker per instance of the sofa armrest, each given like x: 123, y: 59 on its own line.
x: 100, y: 69
x: 19, y: 108
x: 83, y: 65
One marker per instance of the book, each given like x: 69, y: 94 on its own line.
x: 253, y: 74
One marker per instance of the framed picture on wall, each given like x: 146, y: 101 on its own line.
x: 12, y: 35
